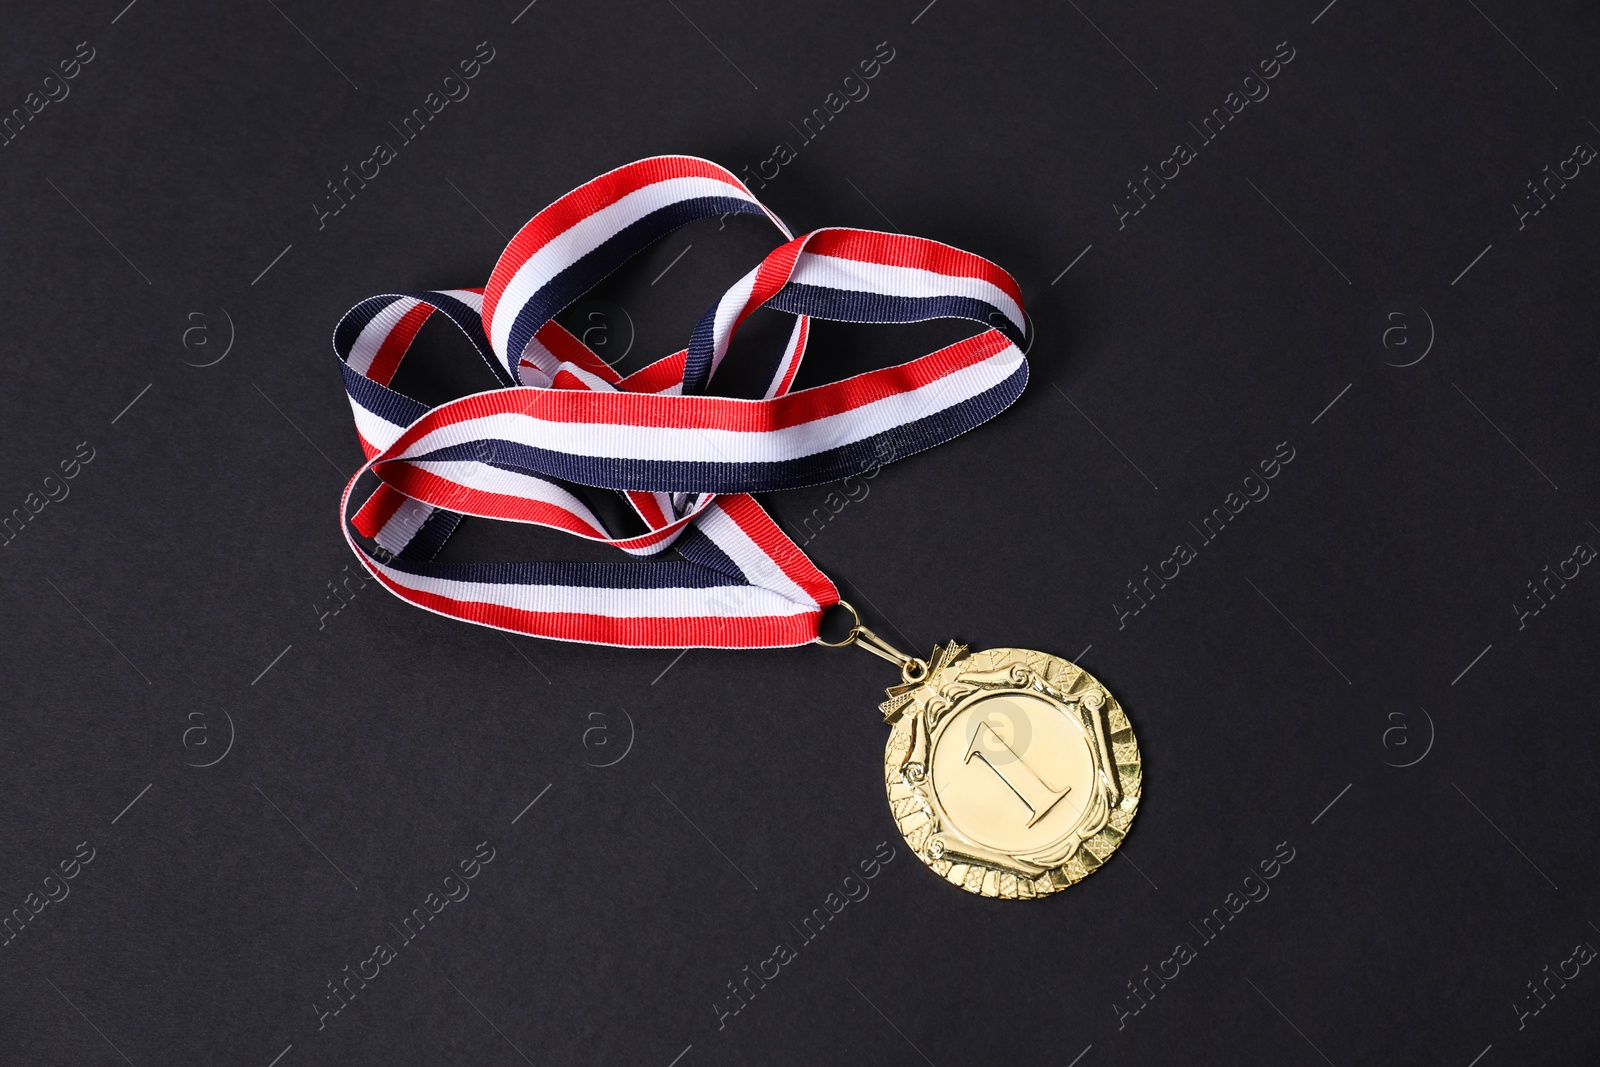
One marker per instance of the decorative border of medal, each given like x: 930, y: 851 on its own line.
x: 955, y: 679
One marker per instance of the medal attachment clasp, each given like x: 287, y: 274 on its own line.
x: 911, y: 668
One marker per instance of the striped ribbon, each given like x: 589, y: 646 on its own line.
x: 683, y: 459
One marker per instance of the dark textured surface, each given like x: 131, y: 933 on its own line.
x: 1365, y: 614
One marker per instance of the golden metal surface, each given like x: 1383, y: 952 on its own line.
x: 1010, y: 773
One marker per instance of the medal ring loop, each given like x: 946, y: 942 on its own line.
x: 911, y: 668
x: 855, y: 627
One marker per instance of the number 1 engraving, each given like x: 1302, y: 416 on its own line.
x: 1029, y: 787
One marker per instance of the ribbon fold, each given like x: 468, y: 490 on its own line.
x: 684, y: 460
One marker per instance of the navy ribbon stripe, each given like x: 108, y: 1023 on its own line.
x: 599, y: 264
x: 654, y: 475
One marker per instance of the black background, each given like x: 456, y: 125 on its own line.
x: 1362, y: 616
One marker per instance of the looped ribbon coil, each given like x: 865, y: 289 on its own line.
x: 684, y: 460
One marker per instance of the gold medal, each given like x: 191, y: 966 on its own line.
x: 1010, y: 773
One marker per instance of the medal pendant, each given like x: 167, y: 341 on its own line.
x: 1010, y: 773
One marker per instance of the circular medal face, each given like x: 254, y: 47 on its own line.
x: 1011, y: 773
